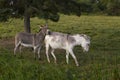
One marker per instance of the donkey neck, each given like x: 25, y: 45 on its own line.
x: 40, y: 34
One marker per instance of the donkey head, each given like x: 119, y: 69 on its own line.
x: 85, y: 43
x: 43, y: 29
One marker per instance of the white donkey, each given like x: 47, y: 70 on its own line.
x: 67, y: 42
x: 30, y: 40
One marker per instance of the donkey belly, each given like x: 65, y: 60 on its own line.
x: 26, y: 45
x: 27, y: 42
x: 57, y: 45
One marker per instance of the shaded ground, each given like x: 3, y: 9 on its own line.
x: 7, y: 42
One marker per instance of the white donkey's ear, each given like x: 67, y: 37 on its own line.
x: 48, y: 32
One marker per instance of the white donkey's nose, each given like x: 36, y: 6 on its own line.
x: 86, y: 49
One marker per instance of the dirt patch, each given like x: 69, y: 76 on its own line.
x: 7, y: 43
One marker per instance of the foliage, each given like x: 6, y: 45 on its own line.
x: 113, y: 7
x: 4, y: 10
x: 47, y: 9
x: 109, y: 7
x: 102, y: 62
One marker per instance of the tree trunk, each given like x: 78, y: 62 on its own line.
x: 27, y: 23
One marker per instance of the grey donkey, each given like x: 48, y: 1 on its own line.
x: 31, y: 40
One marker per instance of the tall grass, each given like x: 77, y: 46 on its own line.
x: 102, y: 62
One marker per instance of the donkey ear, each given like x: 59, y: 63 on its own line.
x: 48, y: 32
x: 89, y: 37
x: 46, y: 25
x: 40, y: 26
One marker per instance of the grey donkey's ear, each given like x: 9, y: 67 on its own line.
x: 40, y: 26
x: 46, y: 25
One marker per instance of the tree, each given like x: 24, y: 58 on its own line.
x: 110, y: 7
x: 113, y: 7
x: 47, y: 9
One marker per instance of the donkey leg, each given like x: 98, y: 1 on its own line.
x: 39, y: 53
x: 20, y: 47
x: 35, y: 48
x: 15, y: 51
x: 47, y: 48
x: 52, y: 52
x: 67, y: 57
x: 74, y: 57
x: 16, y: 47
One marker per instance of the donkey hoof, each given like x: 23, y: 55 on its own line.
x: 39, y: 58
x: 77, y: 65
x: 14, y: 55
x: 34, y: 58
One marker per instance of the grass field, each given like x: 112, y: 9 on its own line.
x: 102, y: 62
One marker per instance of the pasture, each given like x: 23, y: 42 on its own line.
x: 102, y: 62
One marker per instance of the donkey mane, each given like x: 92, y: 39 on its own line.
x: 85, y: 36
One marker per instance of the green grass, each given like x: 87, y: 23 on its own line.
x: 102, y: 62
